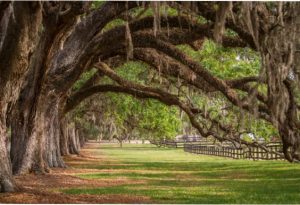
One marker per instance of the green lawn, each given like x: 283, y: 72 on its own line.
x: 173, y: 176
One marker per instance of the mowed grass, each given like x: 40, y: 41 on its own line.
x: 173, y: 176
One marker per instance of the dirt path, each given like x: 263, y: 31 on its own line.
x: 46, y: 188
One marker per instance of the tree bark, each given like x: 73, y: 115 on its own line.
x: 19, y: 25
x: 82, y: 139
x: 64, y: 150
x: 73, y: 140
x: 7, y: 183
x: 277, y: 46
x: 52, y: 134
x: 25, y: 120
x: 77, y: 137
x: 28, y: 152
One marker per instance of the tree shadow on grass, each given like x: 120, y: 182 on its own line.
x: 196, y: 179
x: 203, y: 191
x: 203, y: 182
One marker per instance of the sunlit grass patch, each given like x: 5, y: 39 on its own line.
x: 173, y: 176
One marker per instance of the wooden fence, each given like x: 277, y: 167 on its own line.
x: 171, y: 143
x: 254, y: 153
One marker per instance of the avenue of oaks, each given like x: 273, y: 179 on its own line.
x: 46, y: 46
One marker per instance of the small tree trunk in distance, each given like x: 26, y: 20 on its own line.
x: 64, y: 138
x: 72, y: 140
x: 52, y: 135
x: 77, y: 138
x: 82, y: 138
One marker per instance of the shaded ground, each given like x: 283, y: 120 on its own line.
x: 47, y: 188
x: 145, y: 174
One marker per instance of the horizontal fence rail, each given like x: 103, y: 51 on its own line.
x: 256, y: 153
x: 207, y: 147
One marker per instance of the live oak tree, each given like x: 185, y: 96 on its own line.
x: 46, y: 46
x: 58, y: 45
x: 65, y: 52
x: 19, y: 29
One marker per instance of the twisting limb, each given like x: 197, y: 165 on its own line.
x: 146, y: 40
x: 142, y: 91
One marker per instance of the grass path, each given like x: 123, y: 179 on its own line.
x: 173, y: 176
x: 105, y: 173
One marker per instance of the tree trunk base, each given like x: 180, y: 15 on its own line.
x: 8, y: 185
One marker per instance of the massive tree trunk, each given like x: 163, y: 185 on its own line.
x: 25, y: 114
x: 29, y: 117
x: 276, y: 42
x: 26, y: 119
x: 278, y: 60
x: 19, y: 27
x: 42, y: 150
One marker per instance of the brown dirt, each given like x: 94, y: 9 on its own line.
x: 45, y: 188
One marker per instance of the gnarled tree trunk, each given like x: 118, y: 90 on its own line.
x: 30, y: 119
x: 277, y: 47
x: 19, y: 27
